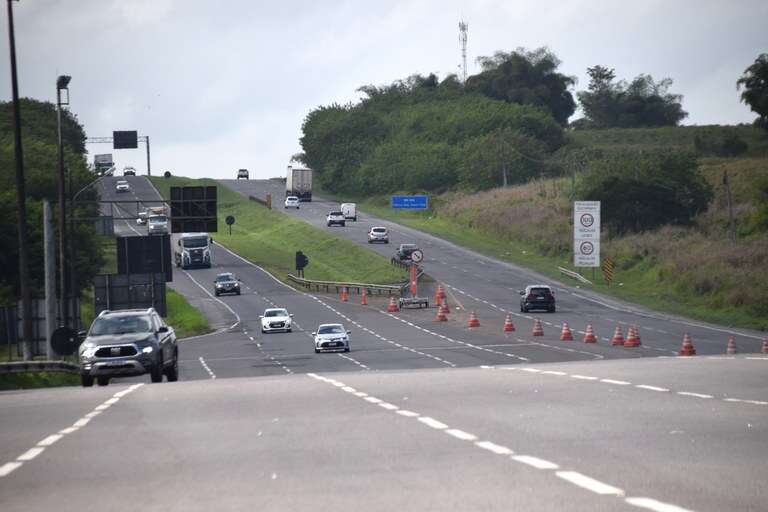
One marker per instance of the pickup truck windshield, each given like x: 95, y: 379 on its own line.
x: 120, y: 325
x: 158, y: 218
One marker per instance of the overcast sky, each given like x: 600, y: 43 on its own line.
x: 220, y: 85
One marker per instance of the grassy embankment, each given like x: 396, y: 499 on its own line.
x: 692, y: 271
x: 271, y: 238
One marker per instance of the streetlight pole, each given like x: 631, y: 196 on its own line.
x: 21, y: 199
x: 61, y: 84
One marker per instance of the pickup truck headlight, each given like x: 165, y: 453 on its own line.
x: 147, y: 349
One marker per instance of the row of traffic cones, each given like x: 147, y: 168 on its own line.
x: 632, y: 340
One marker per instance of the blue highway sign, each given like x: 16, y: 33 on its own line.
x: 410, y: 202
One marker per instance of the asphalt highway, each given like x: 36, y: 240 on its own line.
x: 490, y: 287
x: 420, y: 415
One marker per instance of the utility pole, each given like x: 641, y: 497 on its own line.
x: 149, y: 165
x: 21, y: 200
x: 61, y: 84
x: 463, y: 42
x: 49, y: 248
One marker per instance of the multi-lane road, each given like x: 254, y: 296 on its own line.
x: 419, y: 415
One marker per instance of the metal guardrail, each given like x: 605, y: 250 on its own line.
x: 575, y: 275
x: 376, y: 289
x: 39, y: 366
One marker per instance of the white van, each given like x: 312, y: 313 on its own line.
x: 349, y: 210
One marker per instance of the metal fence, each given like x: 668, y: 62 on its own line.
x: 11, y: 328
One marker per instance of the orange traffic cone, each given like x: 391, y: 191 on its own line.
x: 765, y: 346
x: 344, y: 294
x: 731, y: 348
x: 441, y: 317
x: 392, y: 307
x: 589, y: 336
x: 444, y: 308
x: 566, y: 334
x: 473, y: 321
x: 537, y: 329
x: 439, y: 295
x: 687, y: 348
x: 618, y: 337
x: 633, y: 340
x: 508, y: 325
x: 364, y: 298
x: 443, y: 295
x: 637, y: 334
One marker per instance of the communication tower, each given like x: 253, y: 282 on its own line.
x: 463, y: 42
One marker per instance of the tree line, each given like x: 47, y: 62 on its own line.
x: 40, y: 147
x: 506, y: 125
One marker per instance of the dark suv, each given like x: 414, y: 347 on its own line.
x: 537, y: 296
x: 126, y: 343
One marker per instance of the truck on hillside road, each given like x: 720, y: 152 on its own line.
x: 298, y: 182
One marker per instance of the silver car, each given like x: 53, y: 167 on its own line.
x: 331, y: 338
x: 378, y: 234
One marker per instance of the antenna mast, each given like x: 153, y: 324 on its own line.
x: 463, y: 42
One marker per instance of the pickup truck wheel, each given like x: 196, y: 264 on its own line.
x: 102, y: 381
x: 172, y: 373
x: 346, y: 349
x: 317, y: 351
x: 86, y: 381
x: 156, y: 372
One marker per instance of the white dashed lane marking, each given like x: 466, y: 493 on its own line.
x: 31, y: 454
x: 575, y: 478
x: 657, y: 389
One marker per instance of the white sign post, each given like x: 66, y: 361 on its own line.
x: 586, y: 233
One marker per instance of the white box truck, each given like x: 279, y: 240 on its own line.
x: 192, y: 250
x: 349, y: 210
x: 298, y: 182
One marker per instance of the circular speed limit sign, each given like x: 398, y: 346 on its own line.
x: 586, y: 248
x: 587, y: 220
x: 417, y: 256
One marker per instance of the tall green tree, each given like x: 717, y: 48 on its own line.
x: 641, y: 102
x: 527, y: 78
x: 40, y: 163
x: 754, y: 83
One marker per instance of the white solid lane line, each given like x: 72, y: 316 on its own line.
x: 655, y: 505
x: 30, y: 454
x: 535, y: 462
x: 588, y: 483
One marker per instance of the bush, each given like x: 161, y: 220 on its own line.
x: 644, y: 190
x: 727, y: 145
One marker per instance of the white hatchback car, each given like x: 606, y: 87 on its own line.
x: 331, y: 337
x: 275, y: 319
x: 292, y: 202
x: 122, y: 186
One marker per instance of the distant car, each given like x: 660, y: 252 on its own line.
x: 242, y: 173
x: 157, y: 224
x: 122, y: 186
x: 128, y: 342
x: 537, y: 296
x: 141, y: 217
x: 331, y: 337
x: 226, y: 283
x: 378, y: 234
x: 292, y: 202
x: 275, y: 319
x: 404, y: 251
x: 129, y: 171
x: 337, y: 218
x: 350, y: 211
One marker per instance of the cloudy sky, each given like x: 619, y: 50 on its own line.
x: 220, y: 85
